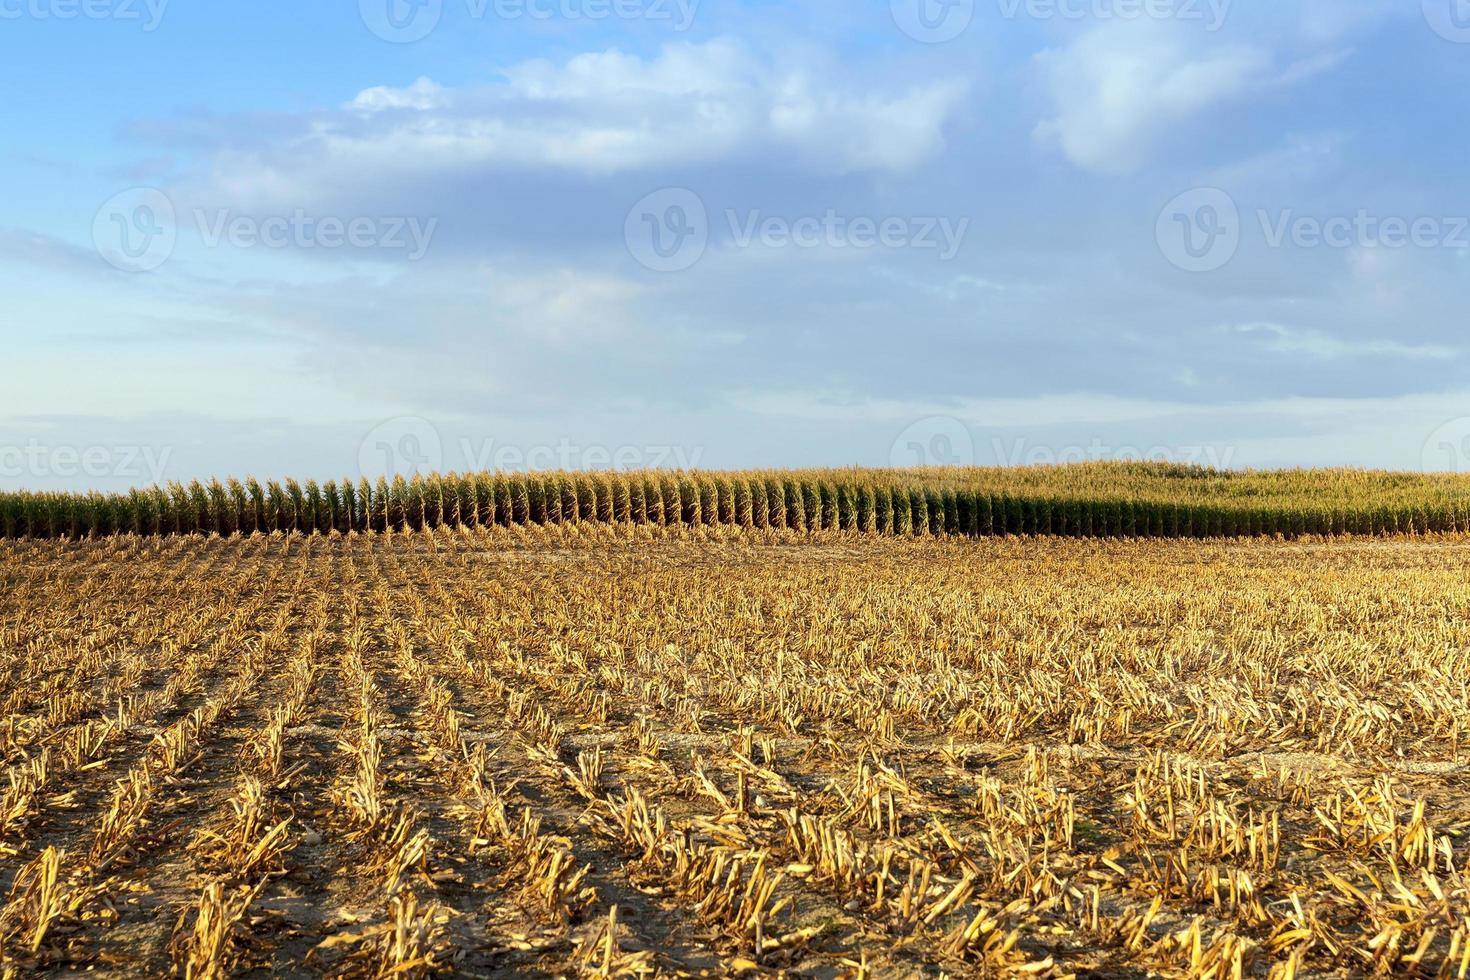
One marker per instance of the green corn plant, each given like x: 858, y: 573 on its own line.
x: 709, y: 499
x: 827, y: 496
x: 482, y: 495
x: 312, y: 505
x: 457, y: 507
x: 846, y: 506
x: 725, y: 500
x: 795, y: 506
x: 520, y: 500
x: 347, y: 507
x: 554, y: 494
x: 565, y: 494
x: 760, y: 511
x: 743, y: 502
x: 398, y: 504
x: 275, y: 507
x: 775, y: 502
x: 631, y: 485
x: 951, y: 509
x: 238, y: 506
x: 903, y: 511
x: 255, y: 521
x: 221, y: 512
x: 416, y: 504
x: 362, y: 505
x: 669, y: 490
x: 586, y: 490
x: 617, y: 497
x: 811, y: 503
x: 504, y: 500
x: 883, y: 509
x: 335, y: 497
x: 571, y: 503
x: 919, y: 520
x: 986, y: 514
x: 934, y: 507
x: 295, y: 506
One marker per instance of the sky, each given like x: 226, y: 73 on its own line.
x: 336, y: 239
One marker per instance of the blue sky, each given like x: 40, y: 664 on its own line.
x: 325, y: 239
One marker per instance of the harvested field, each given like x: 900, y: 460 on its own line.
x: 618, y: 750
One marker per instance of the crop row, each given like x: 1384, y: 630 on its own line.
x: 850, y: 500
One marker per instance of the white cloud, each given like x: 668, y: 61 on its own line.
x: 1047, y: 410
x: 607, y: 113
x: 561, y: 306
x: 422, y: 94
x: 1319, y: 344
x: 1301, y: 157
x: 1118, y: 89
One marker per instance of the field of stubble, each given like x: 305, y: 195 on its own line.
x: 620, y: 751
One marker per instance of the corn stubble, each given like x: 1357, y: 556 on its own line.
x: 627, y: 749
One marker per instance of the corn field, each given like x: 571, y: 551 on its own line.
x: 1100, y: 500
x: 614, y: 747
